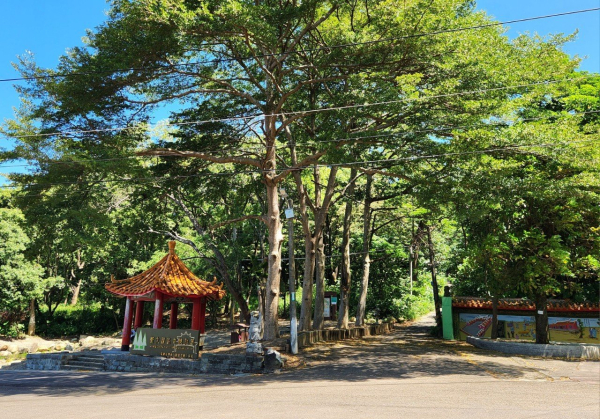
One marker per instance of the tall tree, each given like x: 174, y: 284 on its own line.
x: 238, y: 74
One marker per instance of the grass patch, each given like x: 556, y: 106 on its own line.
x: 13, y: 357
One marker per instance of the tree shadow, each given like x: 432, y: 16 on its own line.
x: 407, y: 353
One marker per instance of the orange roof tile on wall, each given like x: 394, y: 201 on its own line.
x: 521, y: 304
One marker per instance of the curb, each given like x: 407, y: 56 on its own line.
x: 579, y: 351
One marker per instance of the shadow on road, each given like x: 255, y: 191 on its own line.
x: 407, y: 352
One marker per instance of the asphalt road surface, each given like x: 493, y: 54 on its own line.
x: 405, y: 374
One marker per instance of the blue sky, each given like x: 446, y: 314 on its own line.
x: 49, y: 28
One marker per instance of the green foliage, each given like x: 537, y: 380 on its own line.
x: 411, y: 307
x: 10, y: 326
x: 76, y: 320
x: 20, y: 280
x: 515, y: 220
x: 530, y: 215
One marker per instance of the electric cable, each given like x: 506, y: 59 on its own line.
x: 303, y: 113
x: 316, y: 143
x: 327, y: 165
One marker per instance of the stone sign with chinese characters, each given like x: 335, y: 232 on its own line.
x: 170, y: 343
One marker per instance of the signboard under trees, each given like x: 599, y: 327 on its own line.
x: 170, y: 343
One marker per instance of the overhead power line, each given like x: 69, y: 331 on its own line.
x: 295, y: 113
x: 328, y: 165
x: 313, y: 144
x: 327, y: 47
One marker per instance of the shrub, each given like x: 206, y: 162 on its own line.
x: 76, y: 320
x: 11, y: 329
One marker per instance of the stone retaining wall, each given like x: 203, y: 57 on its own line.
x: 310, y: 337
x: 48, y: 362
x: 207, y: 364
x: 561, y: 350
x: 123, y: 361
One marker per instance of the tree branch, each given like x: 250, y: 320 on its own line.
x: 382, y: 172
x: 167, y: 152
x: 343, y: 191
x: 386, y: 223
x: 180, y: 239
x: 303, y: 164
x: 236, y: 220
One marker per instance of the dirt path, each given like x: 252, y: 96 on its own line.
x: 410, y: 351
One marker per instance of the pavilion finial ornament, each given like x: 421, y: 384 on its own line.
x: 172, y: 244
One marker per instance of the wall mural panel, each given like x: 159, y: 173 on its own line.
x: 562, y: 329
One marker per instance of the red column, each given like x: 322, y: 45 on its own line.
x: 126, y: 340
x: 173, y: 320
x: 196, y: 314
x: 202, y: 314
x: 139, y: 314
x: 158, y: 311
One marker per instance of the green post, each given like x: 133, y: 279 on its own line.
x: 447, y: 318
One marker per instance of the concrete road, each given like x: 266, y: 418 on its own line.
x: 402, y: 375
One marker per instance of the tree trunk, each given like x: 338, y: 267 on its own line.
x: 274, y: 262
x: 416, y: 249
x: 221, y: 266
x: 434, y: 284
x: 410, y: 267
x: 310, y: 244
x: 366, y: 260
x: 260, y: 292
x: 495, y: 316
x: 320, y: 284
x: 346, y: 273
x: 307, y: 283
x: 31, y: 325
x: 231, y: 311
x: 76, y: 289
x: 317, y: 234
x: 321, y: 209
x: 541, y: 320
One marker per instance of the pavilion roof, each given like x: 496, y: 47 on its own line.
x: 170, y: 276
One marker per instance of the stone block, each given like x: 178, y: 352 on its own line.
x: 87, y: 341
x: 32, y: 348
x: 254, y: 348
x: 273, y: 361
x: 570, y: 351
x: 46, y: 346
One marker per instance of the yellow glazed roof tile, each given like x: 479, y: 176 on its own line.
x: 169, y: 276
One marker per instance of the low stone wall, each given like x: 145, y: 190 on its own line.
x: 231, y: 364
x: 48, y: 362
x: 207, y: 364
x: 123, y: 361
x: 561, y: 350
x: 310, y: 337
